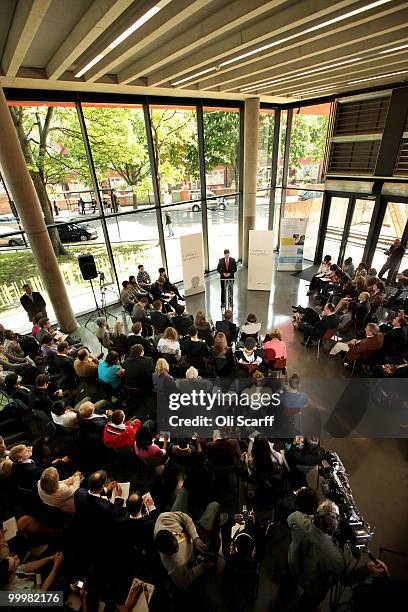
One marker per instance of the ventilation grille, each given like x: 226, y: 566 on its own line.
x: 362, y: 117
x: 401, y: 167
x: 353, y: 157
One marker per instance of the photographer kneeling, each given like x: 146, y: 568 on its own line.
x: 315, y: 559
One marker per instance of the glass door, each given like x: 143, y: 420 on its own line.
x: 335, y: 226
x: 355, y: 237
x: 394, y: 225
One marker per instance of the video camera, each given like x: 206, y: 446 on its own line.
x: 354, y: 529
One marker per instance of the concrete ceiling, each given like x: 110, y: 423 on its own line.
x: 280, y: 50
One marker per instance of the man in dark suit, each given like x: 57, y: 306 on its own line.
x: 136, y: 338
x: 227, y: 266
x: 182, y: 321
x: 138, y: 369
x: 136, y: 528
x: 26, y: 471
x: 328, y: 321
x: 33, y: 302
x: 228, y: 327
x: 158, y: 319
x: 395, y: 254
x: 362, y: 310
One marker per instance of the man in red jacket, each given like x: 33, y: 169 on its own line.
x: 117, y: 433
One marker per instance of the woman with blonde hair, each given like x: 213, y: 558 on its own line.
x: 169, y: 343
x: 58, y: 493
x: 119, y: 339
x: 223, y: 359
x: 162, y: 381
x: 274, y: 341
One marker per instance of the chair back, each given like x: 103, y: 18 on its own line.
x: 280, y: 363
x: 269, y: 357
x: 328, y: 334
x: 206, y: 335
x: 244, y: 336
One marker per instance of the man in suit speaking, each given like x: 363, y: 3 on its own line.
x: 227, y: 266
x: 33, y: 302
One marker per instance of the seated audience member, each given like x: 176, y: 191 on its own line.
x: 293, y: 400
x: 395, y: 371
x: 163, y: 383
x: 135, y: 337
x: 90, y: 421
x: 110, y: 371
x: 329, y: 320
x: 250, y: 355
x: 348, y: 267
x: 303, y: 452
x: 169, y: 343
x: 182, y: 321
x: 126, y: 298
x: 395, y: 337
x: 201, y: 323
x: 251, y: 328
x: 49, y: 351
x: 361, y: 350
x: 377, y: 296
x: 136, y: 291
x: 372, y: 276
x: 36, y: 328
x: 26, y: 471
x: 223, y: 450
x: 273, y: 341
x: 119, y: 339
x: 324, y: 269
x: 158, y: 319
x: 304, y: 500
x: 27, y: 372
x: 140, y: 310
x: 16, y: 576
x: 102, y: 332
x: 402, y: 279
x: 63, y: 360
x: 223, y: 359
x: 11, y: 345
x: 58, y: 493
x: 193, y: 381
x: 118, y: 433
x: 168, y: 286
x: 86, y: 365
x: 178, y: 543
x: 361, y: 270
x: 266, y: 466
x: 228, y: 327
x: 147, y: 450
x: 143, y: 278
x: 136, y: 528
x: 138, y: 369
x: 40, y: 398
x: 15, y: 389
x: 64, y: 416
x: 361, y: 310
x: 186, y: 454
x: 195, y: 352
x: 44, y: 331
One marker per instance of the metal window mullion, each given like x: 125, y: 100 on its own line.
x: 274, y: 167
x: 324, y: 219
x: 95, y: 185
x: 347, y: 224
x: 156, y: 191
x: 203, y: 182
x: 240, y: 182
x: 285, y: 171
x: 374, y: 230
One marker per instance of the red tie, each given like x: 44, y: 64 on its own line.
x: 226, y: 265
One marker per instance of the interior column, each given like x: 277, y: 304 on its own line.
x: 251, y: 122
x: 29, y: 209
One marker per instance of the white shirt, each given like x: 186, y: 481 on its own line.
x: 68, y: 419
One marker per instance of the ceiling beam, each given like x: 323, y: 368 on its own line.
x: 318, y: 80
x: 294, y: 15
x: 27, y: 18
x: 218, y: 24
x: 99, y: 16
x: 321, y: 44
x: 166, y: 19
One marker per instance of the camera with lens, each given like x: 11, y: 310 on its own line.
x: 354, y: 530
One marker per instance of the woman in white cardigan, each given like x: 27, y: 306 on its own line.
x: 58, y: 493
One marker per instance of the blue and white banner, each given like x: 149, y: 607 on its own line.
x: 291, y: 244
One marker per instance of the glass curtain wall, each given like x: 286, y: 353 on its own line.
x: 221, y: 150
x: 393, y: 226
x: 264, y: 177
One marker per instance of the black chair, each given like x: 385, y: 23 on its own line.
x: 206, y: 335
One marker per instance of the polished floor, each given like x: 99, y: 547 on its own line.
x: 377, y: 466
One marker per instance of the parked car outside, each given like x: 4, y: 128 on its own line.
x: 73, y: 232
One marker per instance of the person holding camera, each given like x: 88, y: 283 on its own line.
x: 315, y: 558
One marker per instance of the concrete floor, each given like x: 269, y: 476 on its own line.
x: 377, y: 467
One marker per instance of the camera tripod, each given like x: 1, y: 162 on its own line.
x: 100, y: 310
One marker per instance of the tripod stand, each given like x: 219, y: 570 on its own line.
x: 100, y: 311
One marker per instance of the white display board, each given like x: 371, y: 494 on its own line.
x: 260, y: 260
x: 192, y: 259
x: 291, y: 244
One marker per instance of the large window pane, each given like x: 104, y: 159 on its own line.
x: 262, y: 210
x: 117, y: 136
x: 395, y: 219
x: 221, y: 141
x: 335, y: 227
x: 307, y: 145
x: 360, y: 224
x: 265, y: 147
x: 302, y: 204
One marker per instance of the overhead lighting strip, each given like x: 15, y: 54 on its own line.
x: 291, y: 37
x: 381, y: 76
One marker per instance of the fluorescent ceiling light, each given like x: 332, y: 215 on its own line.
x: 309, y: 91
x: 135, y: 26
x: 381, y: 76
x: 394, y: 49
x: 300, y: 74
x: 306, y: 31
x: 192, y: 77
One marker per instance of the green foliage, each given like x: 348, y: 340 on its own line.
x: 308, y: 138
